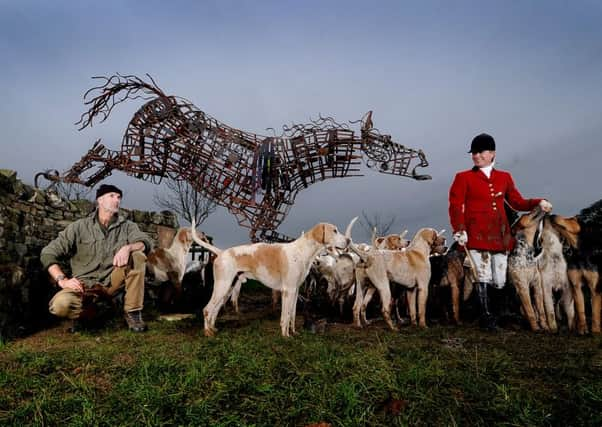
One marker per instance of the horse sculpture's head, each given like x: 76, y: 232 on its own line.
x: 390, y: 157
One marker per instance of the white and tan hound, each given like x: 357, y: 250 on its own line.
x: 280, y: 266
x: 410, y: 268
x: 169, y: 264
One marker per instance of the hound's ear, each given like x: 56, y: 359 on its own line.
x: 183, y: 235
x: 573, y: 225
x: 317, y: 233
x: 434, y: 234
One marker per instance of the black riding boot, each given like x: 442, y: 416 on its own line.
x: 487, y: 320
x: 499, y: 304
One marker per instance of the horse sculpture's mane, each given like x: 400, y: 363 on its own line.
x: 256, y: 177
x: 321, y: 124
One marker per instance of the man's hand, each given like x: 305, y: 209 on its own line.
x: 545, y: 205
x: 74, y: 284
x: 461, y: 237
x: 122, y: 256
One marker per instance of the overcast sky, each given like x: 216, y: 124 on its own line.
x: 435, y: 73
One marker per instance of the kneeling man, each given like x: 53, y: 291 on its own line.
x: 104, y: 249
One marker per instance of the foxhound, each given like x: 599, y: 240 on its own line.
x: 523, y: 270
x: 169, y: 264
x: 583, y: 261
x: 410, y: 267
x: 280, y: 266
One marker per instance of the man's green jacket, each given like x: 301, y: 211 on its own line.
x: 91, y: 247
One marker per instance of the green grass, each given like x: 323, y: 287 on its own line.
x: 249, y: 375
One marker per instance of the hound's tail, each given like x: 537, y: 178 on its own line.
x: 201, y: 242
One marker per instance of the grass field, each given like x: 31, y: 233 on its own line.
x: 249, y: 375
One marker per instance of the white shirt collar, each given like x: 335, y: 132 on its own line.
x: 487, y: 169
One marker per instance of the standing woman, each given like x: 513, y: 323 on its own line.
x: 479, y: 221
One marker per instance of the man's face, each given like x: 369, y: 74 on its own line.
x: 110, y: 202
x: 483, y: 158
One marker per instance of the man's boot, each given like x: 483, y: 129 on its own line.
x: 487, y: 319
x: 134, y: 321
x: 498, y: 304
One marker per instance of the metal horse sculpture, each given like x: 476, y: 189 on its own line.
x: 256, y: 177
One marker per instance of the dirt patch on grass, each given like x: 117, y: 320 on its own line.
x: 123, y: 359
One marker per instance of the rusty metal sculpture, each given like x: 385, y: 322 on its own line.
x: 256, y: 177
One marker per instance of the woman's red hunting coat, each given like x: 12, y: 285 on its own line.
x: 476, y: 205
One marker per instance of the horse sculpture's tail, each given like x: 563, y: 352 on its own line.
x: 115, y: 90
x: 101, y: 100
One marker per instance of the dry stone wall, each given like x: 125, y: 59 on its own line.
x: 29, y: 219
